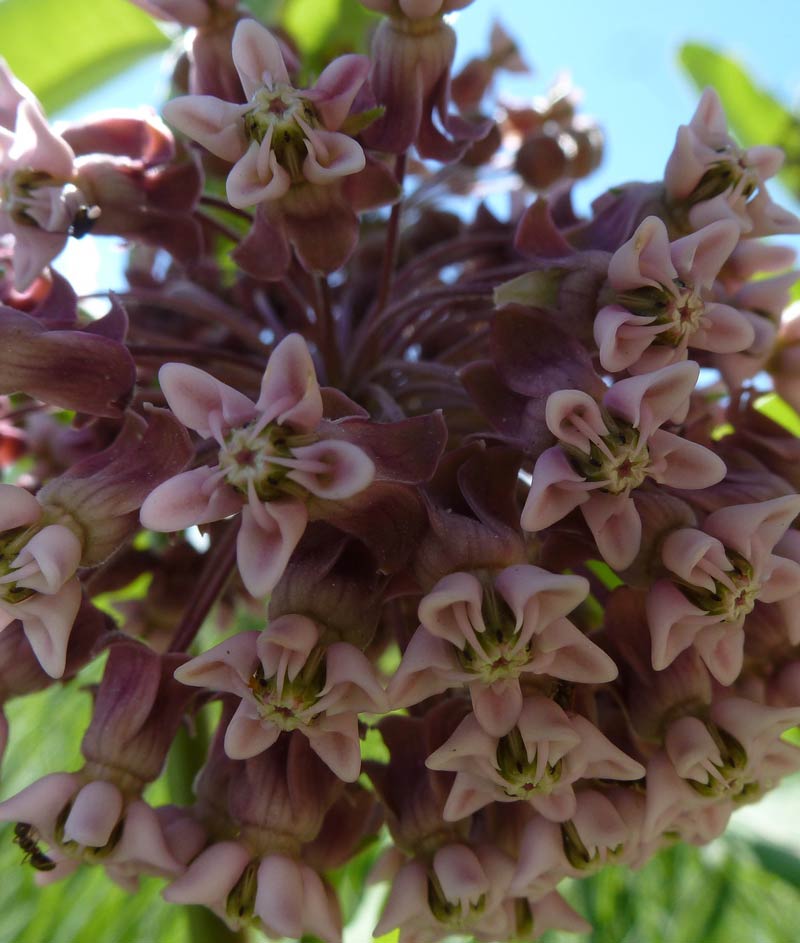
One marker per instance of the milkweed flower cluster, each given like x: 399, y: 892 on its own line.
x: 468, y: 532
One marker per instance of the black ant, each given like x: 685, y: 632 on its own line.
x: 24, y: 836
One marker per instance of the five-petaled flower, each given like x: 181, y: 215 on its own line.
x: 281, y: 136
x: 270, y: 460
x: 604, y: 453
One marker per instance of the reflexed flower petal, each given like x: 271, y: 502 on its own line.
x: 202, y: 402
x: 267, y: 538
x: 290, y: 393
x: 197, y: 496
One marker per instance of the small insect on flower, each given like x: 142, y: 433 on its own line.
x: 25, y: 836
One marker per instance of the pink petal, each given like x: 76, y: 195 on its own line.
x: 622, y: 337
x: 47, y: 622
x: 460, y: 875
x: 541, y: 851
x: 225, y: 667
x: 18, y: 508
x: 497, y: 706
x: 644, y: 260
x: 321, y: 916
x: 290, y: 392
x: 257, y: 177
x: 538, y: 597
x: 723, y: 330
x: 574, y: 417
x: 423, y: 672
x: 348, y: 469
x: 217, y: 125
x: 690, y: 747
x: 685, y: 551
x: 552, y: 912
x: 335, y: 741
x: 143, y: 843
x: 648, y: 401
x: 336, y: 88
x: 331, y: 155
x: 350, y: 682
x: 709, y: 119
x: 753, y: 529
x: 452, y: 609
x: 699, y: 256
x: 408, y: 898
x: 556, y: 490
x: 279, y: 896
x: 94, y: 814
x: 247, y: 734
x: 467, y: 794
x: 34, y: 249
x: 722, y: 649
x: 780, y: 580
x: 603, y: 760
x: 559, y: 806
x: 681, y: 463
x: 258, y: 59
x: 285, y: 644
x: 674, y: 623
x: 684, y: 168
x: 36, y: 147
x: 574, y: 657
x: 192, y: 497
x: 616, y: 527
x: 211, y: 876
x: 202, y: 402
x: 467, y: 742
x: 266, y: 540
x: 41, y: 803
x: 55, y: 551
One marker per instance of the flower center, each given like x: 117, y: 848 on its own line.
x: 460, y: 915
x: 11, y: 543
x: 526, y: 777
x: 729, y: 779
x: 240, y: 903
x: 496, y: 652
x: 732, y: 599
x: 289, y: 705
x: 618, y: 460
x: 729, y: 172
x: 579, y: 856
x: 289, y: 117
x: 263, y: 457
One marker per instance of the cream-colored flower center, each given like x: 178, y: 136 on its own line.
x: 263, y: 457
x: 34, y: 198
x: 621, y: 463
x: 498, y: 654
x: 290, y: 117
x: 289, y: 706
x: 526, y: 777
x: 732, y: 599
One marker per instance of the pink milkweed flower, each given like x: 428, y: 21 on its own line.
x: 284, y: 897
x: 287, y: 681
x: 40, y: 202
x: 38, y: 585
x: 91, y: 822
x: 270, y: 460
x: 709, y: 177
x: 281, y: 137
x: 462, y: 890
x: 605, y: 452
x: 720, y: 573
x: 489, y: 636
x: 595, y: 835
x: 661, y: 305
x: 730, y: 758
x: 538, y: 761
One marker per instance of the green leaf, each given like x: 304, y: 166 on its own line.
x: 324, y: 29
x: 778, y: 410
x: 755, y: 115
x: 62, y: 49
